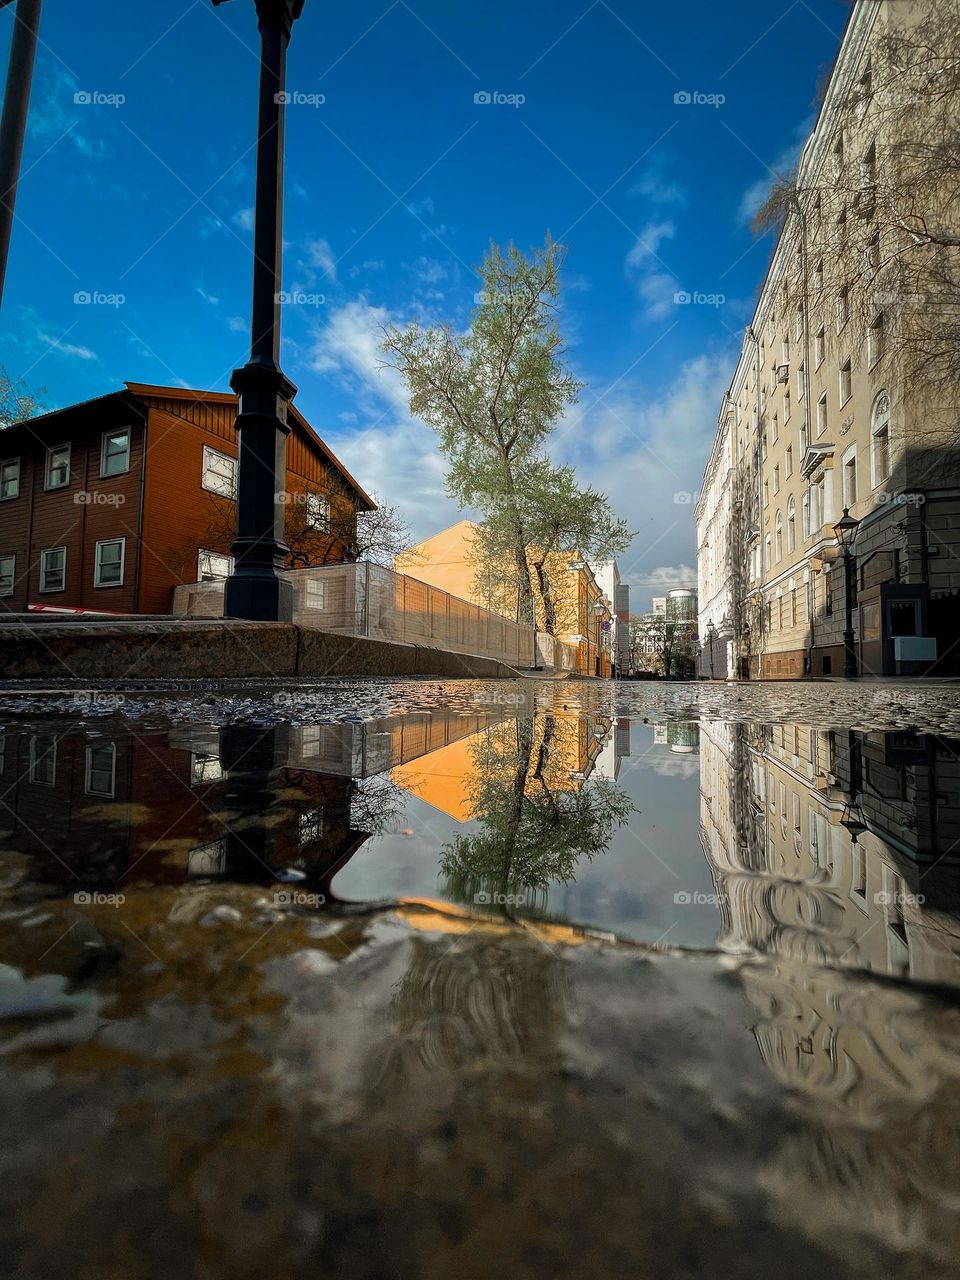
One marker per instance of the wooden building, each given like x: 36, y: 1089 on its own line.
x: 110, y: 504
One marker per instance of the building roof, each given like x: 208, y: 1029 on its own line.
x: 43, y: 426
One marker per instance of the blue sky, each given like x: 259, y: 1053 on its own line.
x: 396, y: 181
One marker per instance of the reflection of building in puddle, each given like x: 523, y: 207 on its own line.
x: 555, y: 749
x: 682, y: 737
x: 103, y: 805
x: 835, y: 847
x: 820, y: 883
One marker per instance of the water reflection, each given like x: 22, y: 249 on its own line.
x: 835, y: 848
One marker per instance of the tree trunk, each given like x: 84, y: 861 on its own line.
x: 526, y: 614
x: 546, y: 595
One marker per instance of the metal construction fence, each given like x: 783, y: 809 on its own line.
x: 370, y: 600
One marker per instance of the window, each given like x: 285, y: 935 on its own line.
x: 767, y: 555
x: 791, y: 527
x: 775, y: 429
x: 101, y: 769
x: 318, y: 511
x: 822, y: 414
x: 115, y: 452
x: 850, y: 478
x: 57, y: 473
x: 8, y: 574
x: 881, y: 438
x: 793, y: 607
x: 788, y: 462
x: 798, y: 323
x: 818, y: 277
x: 207, y: 859
x: 871, y: 253
x: 842, y: 229
x: 805, y: 513
x: 785, y: 351
x: 801, y: 372
x: 310, y: 827
x: 838, y: 157
x: 786, y: 404
x: 843, y: 307
x: 108, y: 563
x: 766, y: 493
x: 315, y: 596
x: 43, y: 760
x: 212, y: 566
x: 846, y: 382
x: 205, y: 767
x: 828, y: 593
x: 53, y: 569
x: 869, y: 167
x: 875, y: 340
x: 9, y: 479
x: 819, y: 347
x: 219, y: 473
x: 779, y: 536
x: 776, y: 478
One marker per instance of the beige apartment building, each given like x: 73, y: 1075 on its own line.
x: 846, y: 396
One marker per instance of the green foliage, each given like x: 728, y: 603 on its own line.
x: 17, y: 401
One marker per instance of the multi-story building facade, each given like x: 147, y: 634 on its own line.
x: 607, y: 575
x: 843, y: 398
x: 666, y: 637
x: 109, y: 505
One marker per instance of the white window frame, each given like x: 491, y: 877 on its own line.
x: 13, y: 575
x: 205, y: 767
x: 845, y: 376
x: 211, y: 556
x: 875, y: 347
x: 9, y: 462
x: 88, y: 769
x: 49, y: 551
x: 51, y: 451
x: 315, y: 594
x: 107, y: 435
x: 318, y: 511
x: 822, y: 414
x: 879, y: 425
x: 98, y: 561
x: 843, y: 308
x: 820, y: 346
x: 43, y: 782
x: 850, y: 456
x: 211, y: 481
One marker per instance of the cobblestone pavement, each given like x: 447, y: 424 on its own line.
x: 907, y: 705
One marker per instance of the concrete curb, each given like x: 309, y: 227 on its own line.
x: 220, y: 651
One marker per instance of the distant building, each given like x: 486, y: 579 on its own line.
x: 110, y: 504
x: 607, y: 575
x: 584, y: 615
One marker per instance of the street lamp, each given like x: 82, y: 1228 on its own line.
x: 257, y: 588
x: 845, y: 531
x: 13, y: 123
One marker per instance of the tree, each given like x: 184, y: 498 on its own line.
x: 17, y: 402
x: 534, y: 826
x: 561, y: 519
x: 494, y: 393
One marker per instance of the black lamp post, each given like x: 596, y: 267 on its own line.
x: 846, y: 532
x: 13, y: 124
x: 257, y: 588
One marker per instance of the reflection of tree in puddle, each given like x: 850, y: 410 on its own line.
x: 538, y: 812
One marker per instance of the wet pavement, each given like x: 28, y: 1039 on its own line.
x: 538, y: 979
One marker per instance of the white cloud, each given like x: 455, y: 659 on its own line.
x: 648, y: 455
x: 320, y: 256
x: 208, y: 297
x: 390, y: 452
x: 652, y: 185
x: 243, y: 219
x: 67, y: 348
x: 784, y: 163
x: 653, y: 281
x: 237, y: 324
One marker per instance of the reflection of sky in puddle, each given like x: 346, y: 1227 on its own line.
x: 628, y: 890
x: 821, y: 847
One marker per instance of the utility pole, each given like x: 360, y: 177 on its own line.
x: 13, y: 123
x: 258, y: 588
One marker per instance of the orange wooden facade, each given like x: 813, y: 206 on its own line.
x: 157, y: 505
